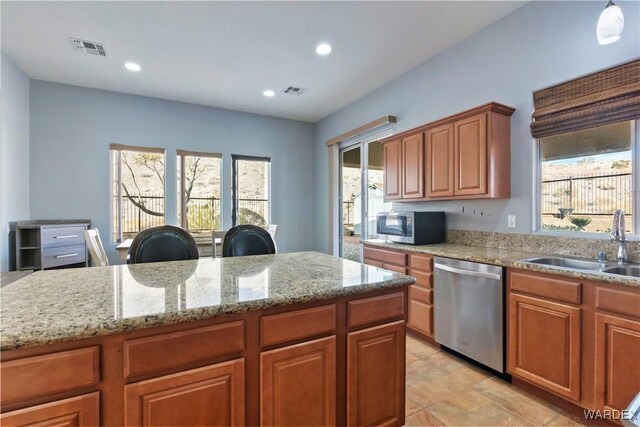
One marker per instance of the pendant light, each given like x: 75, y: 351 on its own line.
x: 610, y: 24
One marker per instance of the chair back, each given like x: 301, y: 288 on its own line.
x: 215, y: 236
x: 96, y: 249
x: 244, y: 240
x: 163, y: 243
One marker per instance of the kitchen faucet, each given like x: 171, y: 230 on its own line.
x: 617, y: 234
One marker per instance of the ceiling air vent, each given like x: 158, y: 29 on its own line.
x: 293, y: 90
x: 91, y: 48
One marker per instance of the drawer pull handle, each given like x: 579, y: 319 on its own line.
x: 68, y: 236
x: 66, y: 256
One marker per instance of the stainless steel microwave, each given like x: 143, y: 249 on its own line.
x: 415, y: 228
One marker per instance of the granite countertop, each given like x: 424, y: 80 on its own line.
x: 62, y: 305
x: 504, y: 258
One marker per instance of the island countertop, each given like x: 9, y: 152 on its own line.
x: 62, y: 305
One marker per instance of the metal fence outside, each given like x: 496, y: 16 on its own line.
x: 203, y: 213
x: 587, y: 195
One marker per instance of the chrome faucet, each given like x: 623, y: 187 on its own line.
x: 617, y: 234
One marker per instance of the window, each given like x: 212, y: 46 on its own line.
x: 585, y: 176
x: 137, y: 190
x: 199, y: 189
x: 251, y: 190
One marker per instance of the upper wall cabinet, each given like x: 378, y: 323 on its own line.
x: 464, y: 156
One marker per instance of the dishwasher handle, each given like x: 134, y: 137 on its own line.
x: 468, y: 272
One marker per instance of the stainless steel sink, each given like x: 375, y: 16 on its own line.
x: 624, y: 270
x: 567, y: 262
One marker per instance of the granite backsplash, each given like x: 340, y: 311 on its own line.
x: 558, y: 245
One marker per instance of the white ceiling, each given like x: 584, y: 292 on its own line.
x: 224, y: 54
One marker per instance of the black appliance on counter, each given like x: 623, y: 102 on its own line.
x: 414, y: 228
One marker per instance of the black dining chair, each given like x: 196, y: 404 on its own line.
x: 243, y: 240
x: 163, y: 243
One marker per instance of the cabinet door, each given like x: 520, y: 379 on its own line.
x: 298, y: 384
x: 208, y: 396
x: 413, y: 167
x: 421, y: 317
x: 617, y: 361
x: 392, y: 170
x: 375, y: 375
x: 440, y: 166
x: 76, y: 411
x: 544, y: 344
x: 471, y: 155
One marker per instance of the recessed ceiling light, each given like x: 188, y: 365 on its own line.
x: 132, y: 66
x: 268, y: 93
x: 323, y: 49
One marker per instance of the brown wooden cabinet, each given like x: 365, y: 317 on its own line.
x: 298, y: 384
x: 466, y: 156
x: 393, y: 170
x: 617, y: 361
x: 420, y: 303
x: 77, y: 411
x: 375, y: 375
x: 440, y: 161
x: 208, y: 396
x: 544, y: 344
x: 413, y: 166
x: 470, y: 136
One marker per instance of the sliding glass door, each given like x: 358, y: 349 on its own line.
x: 361, y: 196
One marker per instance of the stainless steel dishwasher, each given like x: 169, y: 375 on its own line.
x: 469, y: 310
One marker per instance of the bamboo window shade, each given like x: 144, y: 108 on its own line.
x: 198, y: 154
x: 599, y: 99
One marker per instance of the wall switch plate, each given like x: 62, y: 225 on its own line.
x: 511, y: 221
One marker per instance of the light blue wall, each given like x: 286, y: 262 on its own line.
x: 14, y: 158
x: 72, y: 127
x: 538, y: 45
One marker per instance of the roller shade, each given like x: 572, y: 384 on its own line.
x: 198, y: 154
x: 599, y: 99
x: 122, y: 147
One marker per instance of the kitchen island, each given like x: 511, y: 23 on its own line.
x: 289, y: 339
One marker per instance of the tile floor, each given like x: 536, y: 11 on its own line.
x: 443, y: 390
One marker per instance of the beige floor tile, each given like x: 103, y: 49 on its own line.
x: 458, y: 369
x: 471, y: 408
x: 430, y: 385
x: 410, y: 357
x: 423, y: 418
x: 411, y: 407
x: 536, y: 412
x: 419, y: 348
x: 564, y: 420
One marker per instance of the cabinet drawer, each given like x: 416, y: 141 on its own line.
x: 421, y: 262
x: 280, y: 328
x: 37, y: 376
x: 63, y: 255
x: 422, y: 279
x: 557, y: 288
x: 161, y: 353
x: 421, y: 317
x: 395, y: 268
x: 618, y: 301
x: 61, y: 236
x: 385, y: 256
x: 76, y: 411
x: 418, y: 293
x: 374, y: 309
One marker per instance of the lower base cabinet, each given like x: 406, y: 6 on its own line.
x: 298, y: 384
x: 617, y: 361
x: 208, y: 396
x: 76, y: 411
x: 544, y: 343
x: 376, y: 375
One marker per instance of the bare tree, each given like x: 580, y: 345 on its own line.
x: 153, y: 162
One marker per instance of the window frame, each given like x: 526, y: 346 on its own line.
x: 115, y: 157
x: 234, y: 186
x: 635, y: 189
x: 180, y: 166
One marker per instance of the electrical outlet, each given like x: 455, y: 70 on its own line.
x: 511, y: 221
